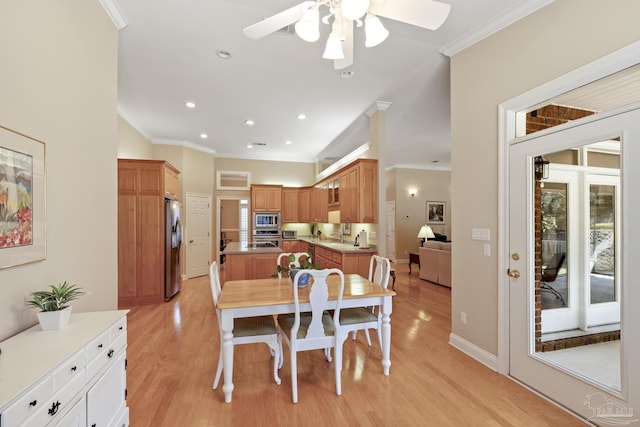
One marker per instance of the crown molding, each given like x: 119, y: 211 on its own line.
x: 378, y: 106
x: 182, y: 143
x: 494, y: 25
x: 114, y: 12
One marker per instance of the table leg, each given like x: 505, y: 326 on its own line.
x: 227, y: 355
x: 386, y: 335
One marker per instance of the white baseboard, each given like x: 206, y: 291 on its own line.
x: 472, y: 350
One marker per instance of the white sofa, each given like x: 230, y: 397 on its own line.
x: 435, y: 262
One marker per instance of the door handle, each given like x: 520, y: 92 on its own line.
x: 513, y: 273
x: 191, y: 241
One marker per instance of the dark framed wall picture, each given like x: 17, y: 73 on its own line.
x: 436, y: 212
x: 22, y: 199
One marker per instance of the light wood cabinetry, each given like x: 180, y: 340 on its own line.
x: 266, y: 198
x: 171, y: 183
x: 290, y: 204
x: 142, y: 187
x: 304, y: 205
x: 347, y: 262
x: 319, y: 203
x: 80, y: 380
x: 359, y: 192
x: 250, y: 266
x: 291, y: 246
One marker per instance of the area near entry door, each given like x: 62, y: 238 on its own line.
x: 580, y: 207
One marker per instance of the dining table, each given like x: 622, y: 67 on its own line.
x: 258, y: 297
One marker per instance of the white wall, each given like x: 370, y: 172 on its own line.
x: 551, y: 42
x: 58, y: 84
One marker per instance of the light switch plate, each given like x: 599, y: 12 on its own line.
x: 480, y: 234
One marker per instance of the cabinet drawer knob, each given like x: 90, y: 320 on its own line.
x: 33, y: 403
x: 121, y: 328
x: 99, y: 345
x: 110, y: 354
x: 74, y: 368
x: 54, y: 408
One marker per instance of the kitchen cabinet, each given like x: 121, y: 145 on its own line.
x: 319, y: 203
x: 251, y: 266
x: 266, y: 198
x: 142, y: 188
x: 334, y: 193
x: 348, y: 262
x: 290, y: 205
x: 171, y: 183
x: 304, y: 205
x: 359, y: 192
x: 292, y: 246
x: 80, y: 380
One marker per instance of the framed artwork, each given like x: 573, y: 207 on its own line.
x: 22, y: 199
x: 435, y: 212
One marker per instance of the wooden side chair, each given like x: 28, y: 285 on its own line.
x: 315, y: 329
x: 246, y: 330
x: 365, y: 318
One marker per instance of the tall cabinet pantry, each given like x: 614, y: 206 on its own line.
x: 143, y: 186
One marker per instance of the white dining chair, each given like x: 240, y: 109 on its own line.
x: 297, y: 256
x: 314, y: 329
x: 246, y: 330
x: 365, y: 318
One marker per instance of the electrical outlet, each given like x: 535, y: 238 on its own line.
x: 374, y: 235
x: 463, y: 317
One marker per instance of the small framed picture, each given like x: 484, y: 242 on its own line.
x: 346, y: 229
x: 436, y: 212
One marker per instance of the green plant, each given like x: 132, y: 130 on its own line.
x: 305, y: 263
x: 56, y: 298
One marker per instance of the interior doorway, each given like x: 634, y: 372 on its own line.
x: 233, y: 222
x: 198, y: 234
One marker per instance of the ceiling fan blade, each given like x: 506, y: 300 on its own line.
x: 277, y: 21
x: 346, y: 29
x: 427, y: 14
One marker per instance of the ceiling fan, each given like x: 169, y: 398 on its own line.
x: 343, y: 15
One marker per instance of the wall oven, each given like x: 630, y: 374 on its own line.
x: 266, y: 238
x: 262, y: 220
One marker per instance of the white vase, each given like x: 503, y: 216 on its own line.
x: 52, y: 320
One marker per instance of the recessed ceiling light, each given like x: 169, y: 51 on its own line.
x: 204, y: 136
x: 347, y: 74
x: 249, y: 146
x: 288, y: 142
x: 301, y: 116
x: 249, y: 122
x: 223, y: 54
x: 190, y: 104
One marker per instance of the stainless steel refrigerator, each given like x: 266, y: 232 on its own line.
x: 172, y: 243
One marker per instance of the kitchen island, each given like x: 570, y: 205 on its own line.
x: 344, y: 256
x: 250, y: 261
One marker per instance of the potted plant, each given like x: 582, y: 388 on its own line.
x: 53, y: 304
x: 290, y: 269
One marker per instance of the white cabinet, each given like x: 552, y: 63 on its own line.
x: 69, y: 377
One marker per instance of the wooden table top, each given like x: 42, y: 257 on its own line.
x: 274, y: 291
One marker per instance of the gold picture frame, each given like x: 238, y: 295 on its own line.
x: 22, y: 199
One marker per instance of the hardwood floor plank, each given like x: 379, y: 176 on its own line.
x: 173, y: 351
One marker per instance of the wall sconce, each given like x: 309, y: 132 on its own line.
x: 541, y: 168
x: 412, y: 192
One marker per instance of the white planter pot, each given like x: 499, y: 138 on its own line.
x: 52, y: 320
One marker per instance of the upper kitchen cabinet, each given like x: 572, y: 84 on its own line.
x: 334, y: 193
x: 290, y: 205
x: 171, y: 185
x: 319, y: 203
x: 359, y: 192
x: 304, y: 205
x: 266, y: 198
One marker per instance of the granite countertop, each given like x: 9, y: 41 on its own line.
x: 251, y: 248
x: 337, y: 246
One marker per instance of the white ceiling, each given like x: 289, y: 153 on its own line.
x: 167, y: 56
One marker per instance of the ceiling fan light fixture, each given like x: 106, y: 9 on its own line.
x: 375, y: 32
x: 308, y: 27
x: 354, y: 9
x: 333, y: 49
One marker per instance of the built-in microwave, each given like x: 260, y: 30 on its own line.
x: 266, y: 220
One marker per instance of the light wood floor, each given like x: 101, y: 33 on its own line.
x: 173, y: 350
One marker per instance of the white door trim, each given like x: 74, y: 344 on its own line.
x: 609, y: 64
x: 189, y: 196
